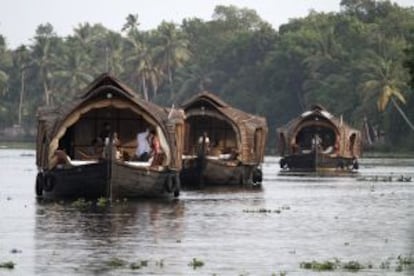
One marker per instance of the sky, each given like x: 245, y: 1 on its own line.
x: 20, y: 18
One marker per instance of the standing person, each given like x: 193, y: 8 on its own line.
x: 155, y: 148
x: 105, y: 133
x: 116, y: 143
x: 142, y: 152
x: 203, y: 144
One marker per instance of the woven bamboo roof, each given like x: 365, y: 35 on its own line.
x: 233, y: 114
x: 315, y: 111
x: 99, y: 88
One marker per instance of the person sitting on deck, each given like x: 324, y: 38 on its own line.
x: 61, y: 159
x: 156, y: 152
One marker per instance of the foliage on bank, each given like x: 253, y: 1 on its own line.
x: 355, y: 62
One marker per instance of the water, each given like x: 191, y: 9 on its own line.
x: 268, y: 231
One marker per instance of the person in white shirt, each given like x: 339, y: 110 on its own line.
x: 203, y: 144
x: 143, y: 148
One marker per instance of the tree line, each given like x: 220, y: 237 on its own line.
x: 356, y: 62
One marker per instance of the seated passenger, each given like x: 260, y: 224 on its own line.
x: 61, y: 159
x: 156, y: 151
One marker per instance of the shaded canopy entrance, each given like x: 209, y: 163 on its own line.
x: 222, y: 136
x: 89, y: 132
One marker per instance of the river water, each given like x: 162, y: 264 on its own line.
x: 367, y: 218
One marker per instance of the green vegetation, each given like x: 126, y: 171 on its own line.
x: 356, y: 62
x: 116, y: 262
x: 400, y: 264
x: 81, y: 204
x: 139, y: 264
x: 8, y: 265
x: 102, y: 202
x: 353, y: 266
x: 319, y: 266
x: 196, y: 263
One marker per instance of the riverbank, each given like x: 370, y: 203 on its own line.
x: 17, y: 145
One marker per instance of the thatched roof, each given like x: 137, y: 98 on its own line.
x: 315, y: 111
x: 98, y: 89
x: 233, y: 114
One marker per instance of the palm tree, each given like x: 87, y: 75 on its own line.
x: 4, y: 77
x: 43, y: 57
x: 114, y: 48
x: 72, y: 72
x: 172, y: 51
x: 131, y: 25
x: 22, y: 61
x: 387, y: 78
x: 141, y: 59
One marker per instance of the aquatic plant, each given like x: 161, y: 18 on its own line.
x: 404, y: 262
x: 160, y: 263
x: 8, y: 265
x: 102, y: 202
x: 281, y: 273
x: 139, y: 264
x: 81, y: 203
x: 196, y: 263
x: 135, y: 266
x: 262, y: 210
x: 116, y: 262
x: 319, y: 266
x: 385, y: 265
x: 353, y: 266
x: 15, y: 251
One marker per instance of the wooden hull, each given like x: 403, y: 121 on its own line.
x: 202, y: 171
x: 127, y: 181
x: 314, y: 162
x: 114, y: 180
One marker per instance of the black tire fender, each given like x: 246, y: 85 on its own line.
x: 355, y: 164
x: 39, y: 184
x: 176, y: 184
x: 49, y: 182
x: 282, y: 163
x: 257, y: 175
x: 169, y: 185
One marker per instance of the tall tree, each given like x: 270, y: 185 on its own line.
x: 22, y: 62
x: 387, y: 78
x: 3, y: 64
x: 131, y: 24
x: 172, y: 51
x: 141, y: 61
x: 43, y: 57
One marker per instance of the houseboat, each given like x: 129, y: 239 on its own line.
x: 86, y: 147
x: 222, y: 145
x: 318, y: 141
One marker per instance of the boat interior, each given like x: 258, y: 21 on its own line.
x: 313, y: 135
x: 85, y: 139
x: 222, y: 138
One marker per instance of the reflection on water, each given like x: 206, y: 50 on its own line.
x: 95, y: 235
x: 291, y: 219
